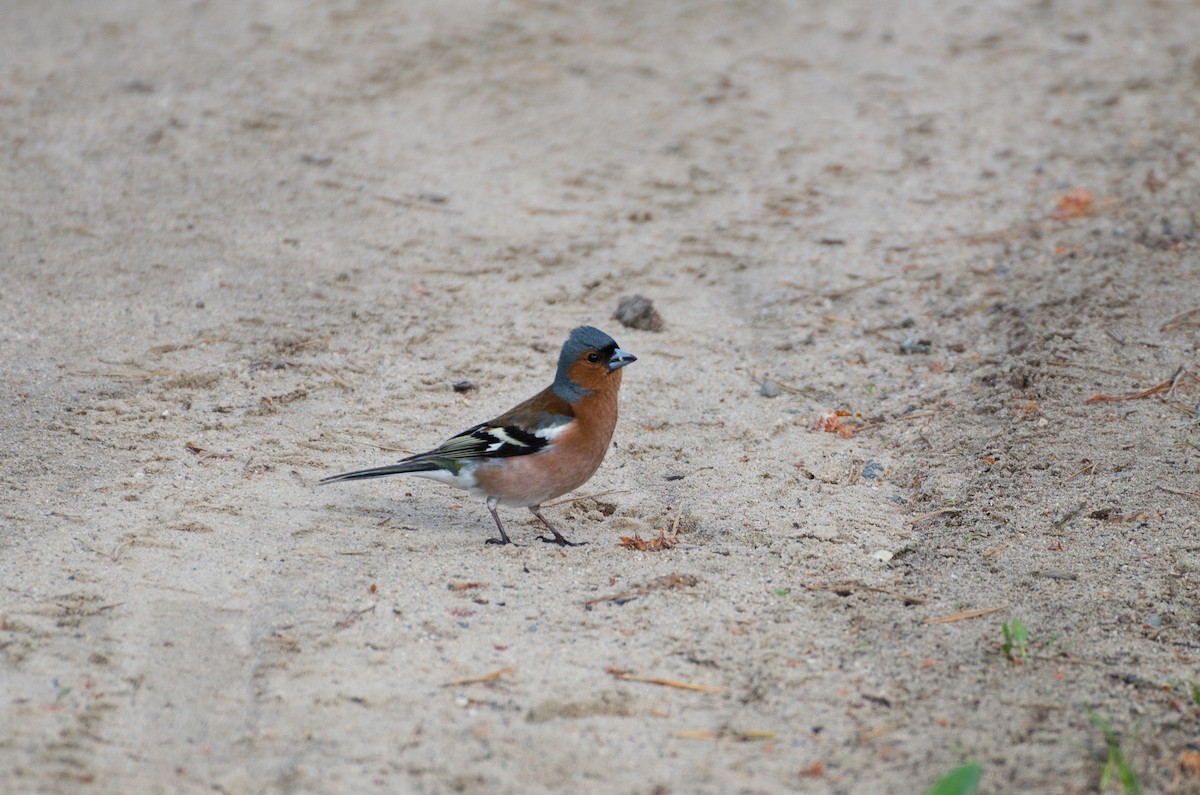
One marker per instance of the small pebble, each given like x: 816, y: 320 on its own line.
x: 769, y: 389
x: 914, y: 345
x: 462, y: 386
x: 637, y: 311
x: 873, y: 470
x: 1154, y: 620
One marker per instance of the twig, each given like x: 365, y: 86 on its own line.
x: 658, y: 680
x: 835, y: 295
x: 1095, y: 368
x: 617, y: 598
x: 347, y: 439
x: 131, y: 374
x: 1162, y: 386
x: 749, y: 736
x: 922, y: 517
x: 549, y: 211
x: 842, y: 588
x: 1183, y: 319
x: 584, y: 497
x: 337, y: 379
x: 1089, y: 468
x: 998, y: 236
x: 1193, y: 494
x: 666, y: 582
x: 1183, y: 409
x: 1117, y: 338
x: 867, y: 735
x: 1179, y: 374
x: 312, y: 343
x: 353, y: 617
x: 1069, y: 515
x: 465, y: 586
x: 415, y: 204
x: 200, y: 451
x: 964, y: 615
x: 476, y: 680
x: 795, y: 390
x: 916, y: 415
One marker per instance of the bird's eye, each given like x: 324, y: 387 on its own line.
x: 593, y: 357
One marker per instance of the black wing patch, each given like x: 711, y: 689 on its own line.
x: 490, y: 441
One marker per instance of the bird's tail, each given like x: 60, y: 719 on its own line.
x: 408, y: 466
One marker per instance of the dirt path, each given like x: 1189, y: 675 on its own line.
x: 250, y: 244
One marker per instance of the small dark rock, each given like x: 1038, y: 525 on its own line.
x: 914, y: 345
x: 637, y: 311
x: 138, y: 87
x: 463, y: 386
x: 873, y: 470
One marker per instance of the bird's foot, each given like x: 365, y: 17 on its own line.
x: 562, y: 542
x: 558, y: 537
x: 501, y: 541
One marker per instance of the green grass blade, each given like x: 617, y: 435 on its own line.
x: 960, y: 781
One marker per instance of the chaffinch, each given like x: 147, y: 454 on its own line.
x: 537, y: 450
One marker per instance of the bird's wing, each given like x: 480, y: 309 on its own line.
x: 489, y: 441
x: 522, y: 430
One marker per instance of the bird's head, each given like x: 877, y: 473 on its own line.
x: 590, y: 360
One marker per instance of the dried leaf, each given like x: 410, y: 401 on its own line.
x: 827, y: 422
x: 663, y: 541
x: 1075, y: 204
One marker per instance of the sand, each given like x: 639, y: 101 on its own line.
x: 250, y: 244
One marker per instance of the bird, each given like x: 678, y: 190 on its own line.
x: 539, y: 449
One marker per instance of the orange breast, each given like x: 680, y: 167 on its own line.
x: 565, y: 465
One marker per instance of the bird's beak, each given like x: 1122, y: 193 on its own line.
x: 619, y: 359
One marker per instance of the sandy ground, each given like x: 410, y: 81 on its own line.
x: 249, y: 244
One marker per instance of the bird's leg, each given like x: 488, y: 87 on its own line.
x: 492, y: 502
x: 558, y: 537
